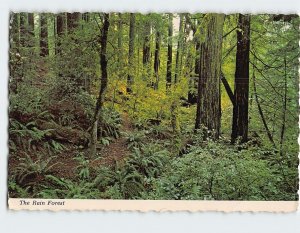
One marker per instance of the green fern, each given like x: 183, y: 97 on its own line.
x: 39, y: 167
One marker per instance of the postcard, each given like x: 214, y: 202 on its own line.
x: 153, y: 112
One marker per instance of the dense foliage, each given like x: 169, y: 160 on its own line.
x: 148, y: 146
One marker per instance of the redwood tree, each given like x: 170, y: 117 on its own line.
x: 73, y: 21
x: 15, y: 31
x: 208, y: 113
x: 156, y: 58
x: 60, y: 30
x: 120, y: 42
x: 23, y: 22
x: 241, y: 82
x: 44, y: 50
x: 179, y: 50
x: 169, y: 61
x: 130, y: 77
x: 146, y: 45
x: 30, y: 29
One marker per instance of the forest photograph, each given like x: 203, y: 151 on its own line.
x: 157, y: 106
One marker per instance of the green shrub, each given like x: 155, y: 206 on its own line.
x: 65, y: 188
x: 30, y: 168
x: 135, y: 139
x: 149, y: 160
x: 219, y: 172
x: 122, y: 182
x: 111, y: 123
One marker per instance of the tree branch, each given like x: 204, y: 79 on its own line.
x: 227, y: 88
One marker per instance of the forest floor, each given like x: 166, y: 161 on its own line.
x: 65, y: 164
x: 116, y: 151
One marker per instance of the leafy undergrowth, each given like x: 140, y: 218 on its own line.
x: 138, y: 157
x: 159, y: 169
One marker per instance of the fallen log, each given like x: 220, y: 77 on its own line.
x: 63, y: 133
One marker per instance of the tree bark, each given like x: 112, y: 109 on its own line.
x: 60, y: 30
x: 15, y: 31
x: 193, y: 82
x: 120, y: 42
x: 31, y: 29
x: 86, y: 17
x: 146, y: 49
x: 103, y: 86
x: 208, y: 116
x: 73, y: 21
x: 227, y: 88
x: 283, y: 109
x: 241, y: 82
x: 23, y: 22
x: 44, y: 50
x: 179, y: 50
x: 156, y: 59
x: 130, y: 77
x: 146, y: 45
x: 169, y: 61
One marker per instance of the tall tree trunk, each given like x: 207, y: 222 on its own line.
x: 73, y: 21
x: 169, y: 61
x: 146, y: 49
x: 193, y: 83
x: 284, y: 108
x: 14, y: 56
x: 86, y: 17
x: 120, y: 43
x: 208, y: 102
x: 15, y: 31
x: 31, y: 29
x: 241, y: 82
x: 179, y: 50
x: 130, y: 77
x: 44, y: 50
x: 156, y: 59
x: 100, y: 101
x: 60, y: 30
x: 23, y: 34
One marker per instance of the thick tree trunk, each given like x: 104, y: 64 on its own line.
x: 130, y: 77
x: 103, y: 86
x: 241, y: 82
x: 156, y: 59
x: 44, y: 50
x: 169, y: 61
x: 146, y: 45
x: 14, y: 56
x: 60, y: 30
x: 208, y: 102
x: 31, y: 29
x: 179, y: 50
x: 73, y: 21
x: 23, y: 22
x: 15, y: 31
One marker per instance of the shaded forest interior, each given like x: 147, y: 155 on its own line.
x: 153, y: 106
